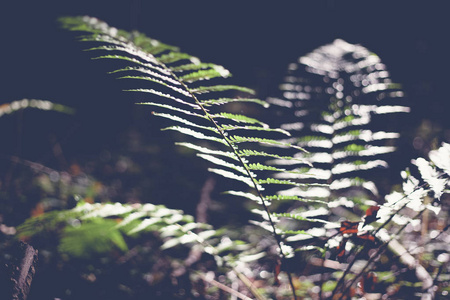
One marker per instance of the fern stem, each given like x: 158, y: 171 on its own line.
x: 244, y: 165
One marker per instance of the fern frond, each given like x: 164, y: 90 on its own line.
x: 222, y: 101
x: 249, y: 196
x: 8, y: 108
x: 154, y: 80
x: 172, y: 57
x: 231, y: 175
x: 282, y: 197
x: 249, y: 153
x: 135, y: 61
x: 169, y: 72
x: 176, y: 109
x: 94, y: 228
x: 256, y: 128
x: 239, y: 118
x: 340, y: 89
x: 221, y: 88
x: 157, y: 93
x: 242, y: 139
x: 184, y: 121
x: 208, y: 151
x: 300, y: 218
x: 223, y: 163
x: 213, y: 72
x: 196, y: 134
x: 192, y: 66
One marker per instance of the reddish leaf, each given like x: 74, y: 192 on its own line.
x: 38, y: 210
x: 341, y: 250
x: 349, y: 227
x: 368, y: 282
x: 366, y: 236
x: 277, y: 272
x: 371, y: 214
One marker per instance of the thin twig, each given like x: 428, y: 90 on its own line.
x: 224, y: 287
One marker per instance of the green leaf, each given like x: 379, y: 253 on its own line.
x: 173, y: 88
x: 239, y: 118
x: 244, y: 195
x: 206, y: 74
x: 185, y: 122
x: 261, y: 167
x: 221, y: 88
x: 221, y: 162
x: 148, y: 72
x: 208, y: 151
x: 186, y: 112
x: 231, y: 175
x: 300, y: 218
x: 154, y: 92
x: 136, y: 61
x: 257, y: 128
x: 222, y: 101
x: 96, y: 236
x: 249, y: 153
x: 243, y: 139
x: 292, y: 198
x: 196, y: 134
x: 277, y: 181
x: 192, y: 66
x: 148, y: 58
x: 7, y: 108
x: 174, y: 57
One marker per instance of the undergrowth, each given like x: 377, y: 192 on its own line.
x: 309, y: 177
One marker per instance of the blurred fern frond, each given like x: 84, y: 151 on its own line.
x: 336, y: 102
x: 99, y: 228
x: 8, y: 108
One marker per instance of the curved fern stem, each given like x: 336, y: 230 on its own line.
x: 167, y: 70
x: 221, y: 132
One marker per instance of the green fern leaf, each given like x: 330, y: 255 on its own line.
x: 173, y: 88
x: 134, y: 61
x: 245, y: 195
x: 95, y: 236
x: 231, y: 175
x: 221, y: 88
x: 242, y: 139
x: 300, y: 218
x: 222, y: 101
x: 172, y: 57
x: 8, y: 108
x: 176, y: 109
x: 239, y: 118
x: 154, y: 92
x: 256, y: 128
x: 147, y: 72
x: 222, y: 163
x: 249, y: 153
x: 216, y: 71
x: 209, y: 151
x: 184, y: 121
x: 191, y: 67
x: 196, y: 134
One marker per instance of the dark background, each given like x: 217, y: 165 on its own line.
x: 255, y: 40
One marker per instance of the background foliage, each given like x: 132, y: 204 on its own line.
x: 92, y: 158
